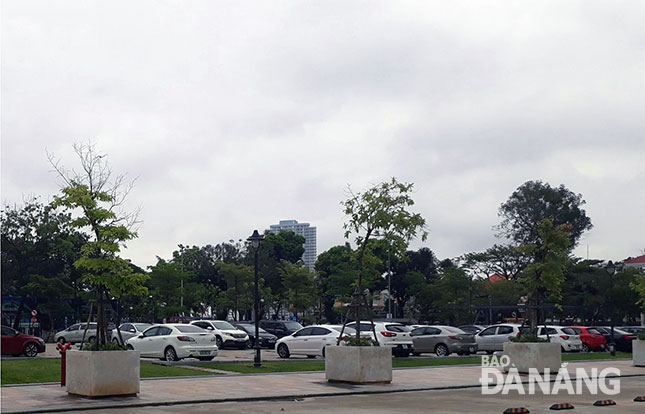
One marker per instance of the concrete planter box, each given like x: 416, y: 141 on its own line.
x: 525, y: 355
x: 638, y: 352
x: 102, y: 373
x: 358, y: 364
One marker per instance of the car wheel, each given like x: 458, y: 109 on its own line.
x: 206, y: 358
x: 61, y: 340
x: 416, y: 353
x: 249, y: 344
x: 92, y: 339
x: 323, y: 352
x: 441, y: 350
x: 490, y: 352
x: 585, y: 348
x: 31, y: 350
x: 130, y: 348
x: 170, y: 354
x: 218, y: 341
x: 311, y: 356
x: 283, y: 351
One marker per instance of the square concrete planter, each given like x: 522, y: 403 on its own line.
x: 638, y: 352
x: 102, y: 373
x: 358, y: 364
x: 538, y: 355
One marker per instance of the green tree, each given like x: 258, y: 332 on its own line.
x: 535, y: 201
x: 39, y: 247
x: 238, y: 295
x: 503, y: 260
x: 381, y: 212
x: 165, y: 287
x: 97, y: 196
x: 544, y: 277
x: 337, y: 272
x: 454, y: 296
x: 299, y: 284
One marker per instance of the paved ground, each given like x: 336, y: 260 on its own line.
x: 199, y: 390
x: 439, y: 401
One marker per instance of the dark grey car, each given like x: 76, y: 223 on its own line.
x: 442, y: 340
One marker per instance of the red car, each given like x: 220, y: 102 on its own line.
x: 592, y: 339
x: 16, y: 343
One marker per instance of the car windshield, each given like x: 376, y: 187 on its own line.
x: 292, y: 325
x: 251, y: 329
x: 398, y: 328
x: 141, y: 326
x: 190, y: 329
x: 223, y: 325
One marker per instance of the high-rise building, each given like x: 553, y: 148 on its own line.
x: 302, y: 229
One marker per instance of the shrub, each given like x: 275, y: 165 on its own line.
x: 108, y: 346
x: 353, y: 341
x: 527, y: 338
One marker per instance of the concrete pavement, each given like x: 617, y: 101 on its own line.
x: 196, y: 390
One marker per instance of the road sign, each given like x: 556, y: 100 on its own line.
x: 34, y: 312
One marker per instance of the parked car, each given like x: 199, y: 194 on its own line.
x: 622, y: 339
x: 172, y: 342
x: 442, y: 340
x: 592, y: 339
x: 310, y: 341
x: 568, y: 339
x: 492, y: 338
x: 74, y: 333
x: 267, y: 340
x: 129, y: 330
x: 472, y: 329
x: 392, y: 334
x: 280, y: 328
x: 17, y: 343
x: 225, y: 333
x: 636, y: 330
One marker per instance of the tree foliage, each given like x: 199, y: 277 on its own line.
x: 535, y: 201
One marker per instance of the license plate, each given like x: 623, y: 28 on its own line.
x: 204, y: 352
x: 271, y: 341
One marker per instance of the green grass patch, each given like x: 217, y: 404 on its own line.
x: 27, y: 371
x: 319, y: 365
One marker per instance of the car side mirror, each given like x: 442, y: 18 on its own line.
x: 210, y: 328
x: 140, y: 336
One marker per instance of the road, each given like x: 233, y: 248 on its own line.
x: 445, y: 401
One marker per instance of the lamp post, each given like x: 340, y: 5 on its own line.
x: 255, y: 240
x: 611, y: 269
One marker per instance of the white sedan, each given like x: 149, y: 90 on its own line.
x: 310, y: 341
x: 173, y: 342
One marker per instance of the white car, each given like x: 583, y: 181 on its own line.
x: 175, y: 341
x: 129, y: 330
x: 492, y: 338
x: 225, y: 333
x: 566, y: 337
x: 310, y: 341
x: 392, y: 334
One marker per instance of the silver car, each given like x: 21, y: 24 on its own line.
x: 129, y: 330
x: 442, y: 340
x: 74, y: 333
x: 492, y: 338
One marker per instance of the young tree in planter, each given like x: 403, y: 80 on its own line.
x: 98, y: 196
x: 381, y: 212
x: 544, y: 277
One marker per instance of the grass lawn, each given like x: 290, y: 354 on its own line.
x: 319, y: 365
x: 48, y: 370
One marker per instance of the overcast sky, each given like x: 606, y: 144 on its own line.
x: 236, y: 114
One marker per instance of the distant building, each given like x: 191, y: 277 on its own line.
x: 635, y: 263
x: 302, y: 229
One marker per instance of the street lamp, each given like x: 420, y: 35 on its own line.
x: 255, y: 240
x: 611, y: 269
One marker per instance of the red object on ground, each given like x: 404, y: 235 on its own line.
x: 63, y: 360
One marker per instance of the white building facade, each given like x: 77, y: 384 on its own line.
x: 301, y: 229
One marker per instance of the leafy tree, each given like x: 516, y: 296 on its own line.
x: 239, y: 293
x: 381, y: 212
x: 454, y: 296
x: 97, y: 197
x: 503, y: 260
x: 39, y: 247
x: 298, y: 282
x: 544, y: 277
x: 535, y: 201
x: 638, y: 285
x: 422, y: 262
x: 164, y: 285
